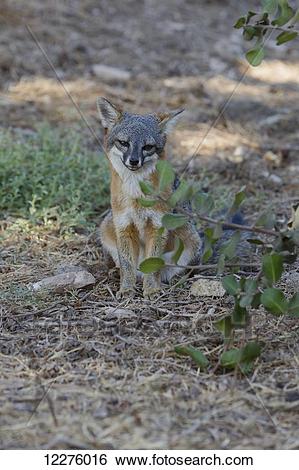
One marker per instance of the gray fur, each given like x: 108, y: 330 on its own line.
x: 138, y: 137
x: 138, y: 130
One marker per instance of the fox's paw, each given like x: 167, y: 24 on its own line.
x: 125, y: 292
x: 151, y: 293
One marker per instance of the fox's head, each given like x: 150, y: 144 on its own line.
x: 133, y: 140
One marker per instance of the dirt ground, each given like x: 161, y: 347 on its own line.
x: 80, y: 370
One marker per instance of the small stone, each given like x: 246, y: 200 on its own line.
x: 272, y: 158
x: 239, y: 155
x: 119, y: 313
x: 69, y: 268
x: 69, y: 280
x: 110, y: 74
x: 276, y: 180
x: 207, y: 288
x: 265, y: 174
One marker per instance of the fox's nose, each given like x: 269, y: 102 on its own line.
x: 134, y: 161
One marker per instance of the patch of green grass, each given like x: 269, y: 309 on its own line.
x: 51, y: 178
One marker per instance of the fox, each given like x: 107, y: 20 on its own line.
x: 130, y: 233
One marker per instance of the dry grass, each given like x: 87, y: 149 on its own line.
x: 82, y: 370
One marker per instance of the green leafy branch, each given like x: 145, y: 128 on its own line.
x: 187, y: 204
x: 276, y: 16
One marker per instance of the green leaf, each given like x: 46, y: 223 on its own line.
x: 250, y: 290
x: 293, y: 308
x: 179, y: 248
x: 250, y: 32
x: 173, y: 221
x: 296, y: 17
x: 248, y: 354
x: 229, y: 248
x: 274, y: 301
x: 217, y: 232
x: 225, y: 326
x: 146, y: 188
x: 240, y: 22
x: 255, y: 56
x: 161, y: 231
x: 246, y: 300
x: 286, y: 12
x: 250, y: 286
x: 208, y: 252
x: 231, y: 358
x: 239, y: 316
x: 270, y: 6
x: 166, y: 174
x: 250, y: 14
x: 239, y: 198
x: 203, y: 203
x: 208, y: 244
x: 231, y: 285
x: 272, y: 267
x: 266, y: 219
x: 256, y: 300
x: 182, y: 193
x: 285, y: 37
x: 255, y: 241
x: 146, y: 202
x: 243, y: 357
x: 221, y: 264
x: 250, y: 351
x: 151, y: 265
x: 198, y: 357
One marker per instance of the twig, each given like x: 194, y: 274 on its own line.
x: 244, y: 228
x: 205, y: 267
x: 274, y: 28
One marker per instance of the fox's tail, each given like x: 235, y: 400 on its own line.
x: 244, y: 248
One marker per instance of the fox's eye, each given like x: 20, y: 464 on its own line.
x: 148, y: 148
x: 123, y: 143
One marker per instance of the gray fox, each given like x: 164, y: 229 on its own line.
x: 130, y: 233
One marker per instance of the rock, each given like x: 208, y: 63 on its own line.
x: 265, y: 174
x: 69, y: 268
x: 207, y: 288
x: 113, y: 312
x: 276, y: 180
x: 272, y: 158
x: 239, y: 155
x: 66, y: 280
x: 110, y: 74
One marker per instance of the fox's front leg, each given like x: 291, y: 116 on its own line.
x: 154, y: 247
x: 128, y: 249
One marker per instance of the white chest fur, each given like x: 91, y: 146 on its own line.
x: 139, y: 218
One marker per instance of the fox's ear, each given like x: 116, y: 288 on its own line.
x: 169, y: 120
x: 109, y: 113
